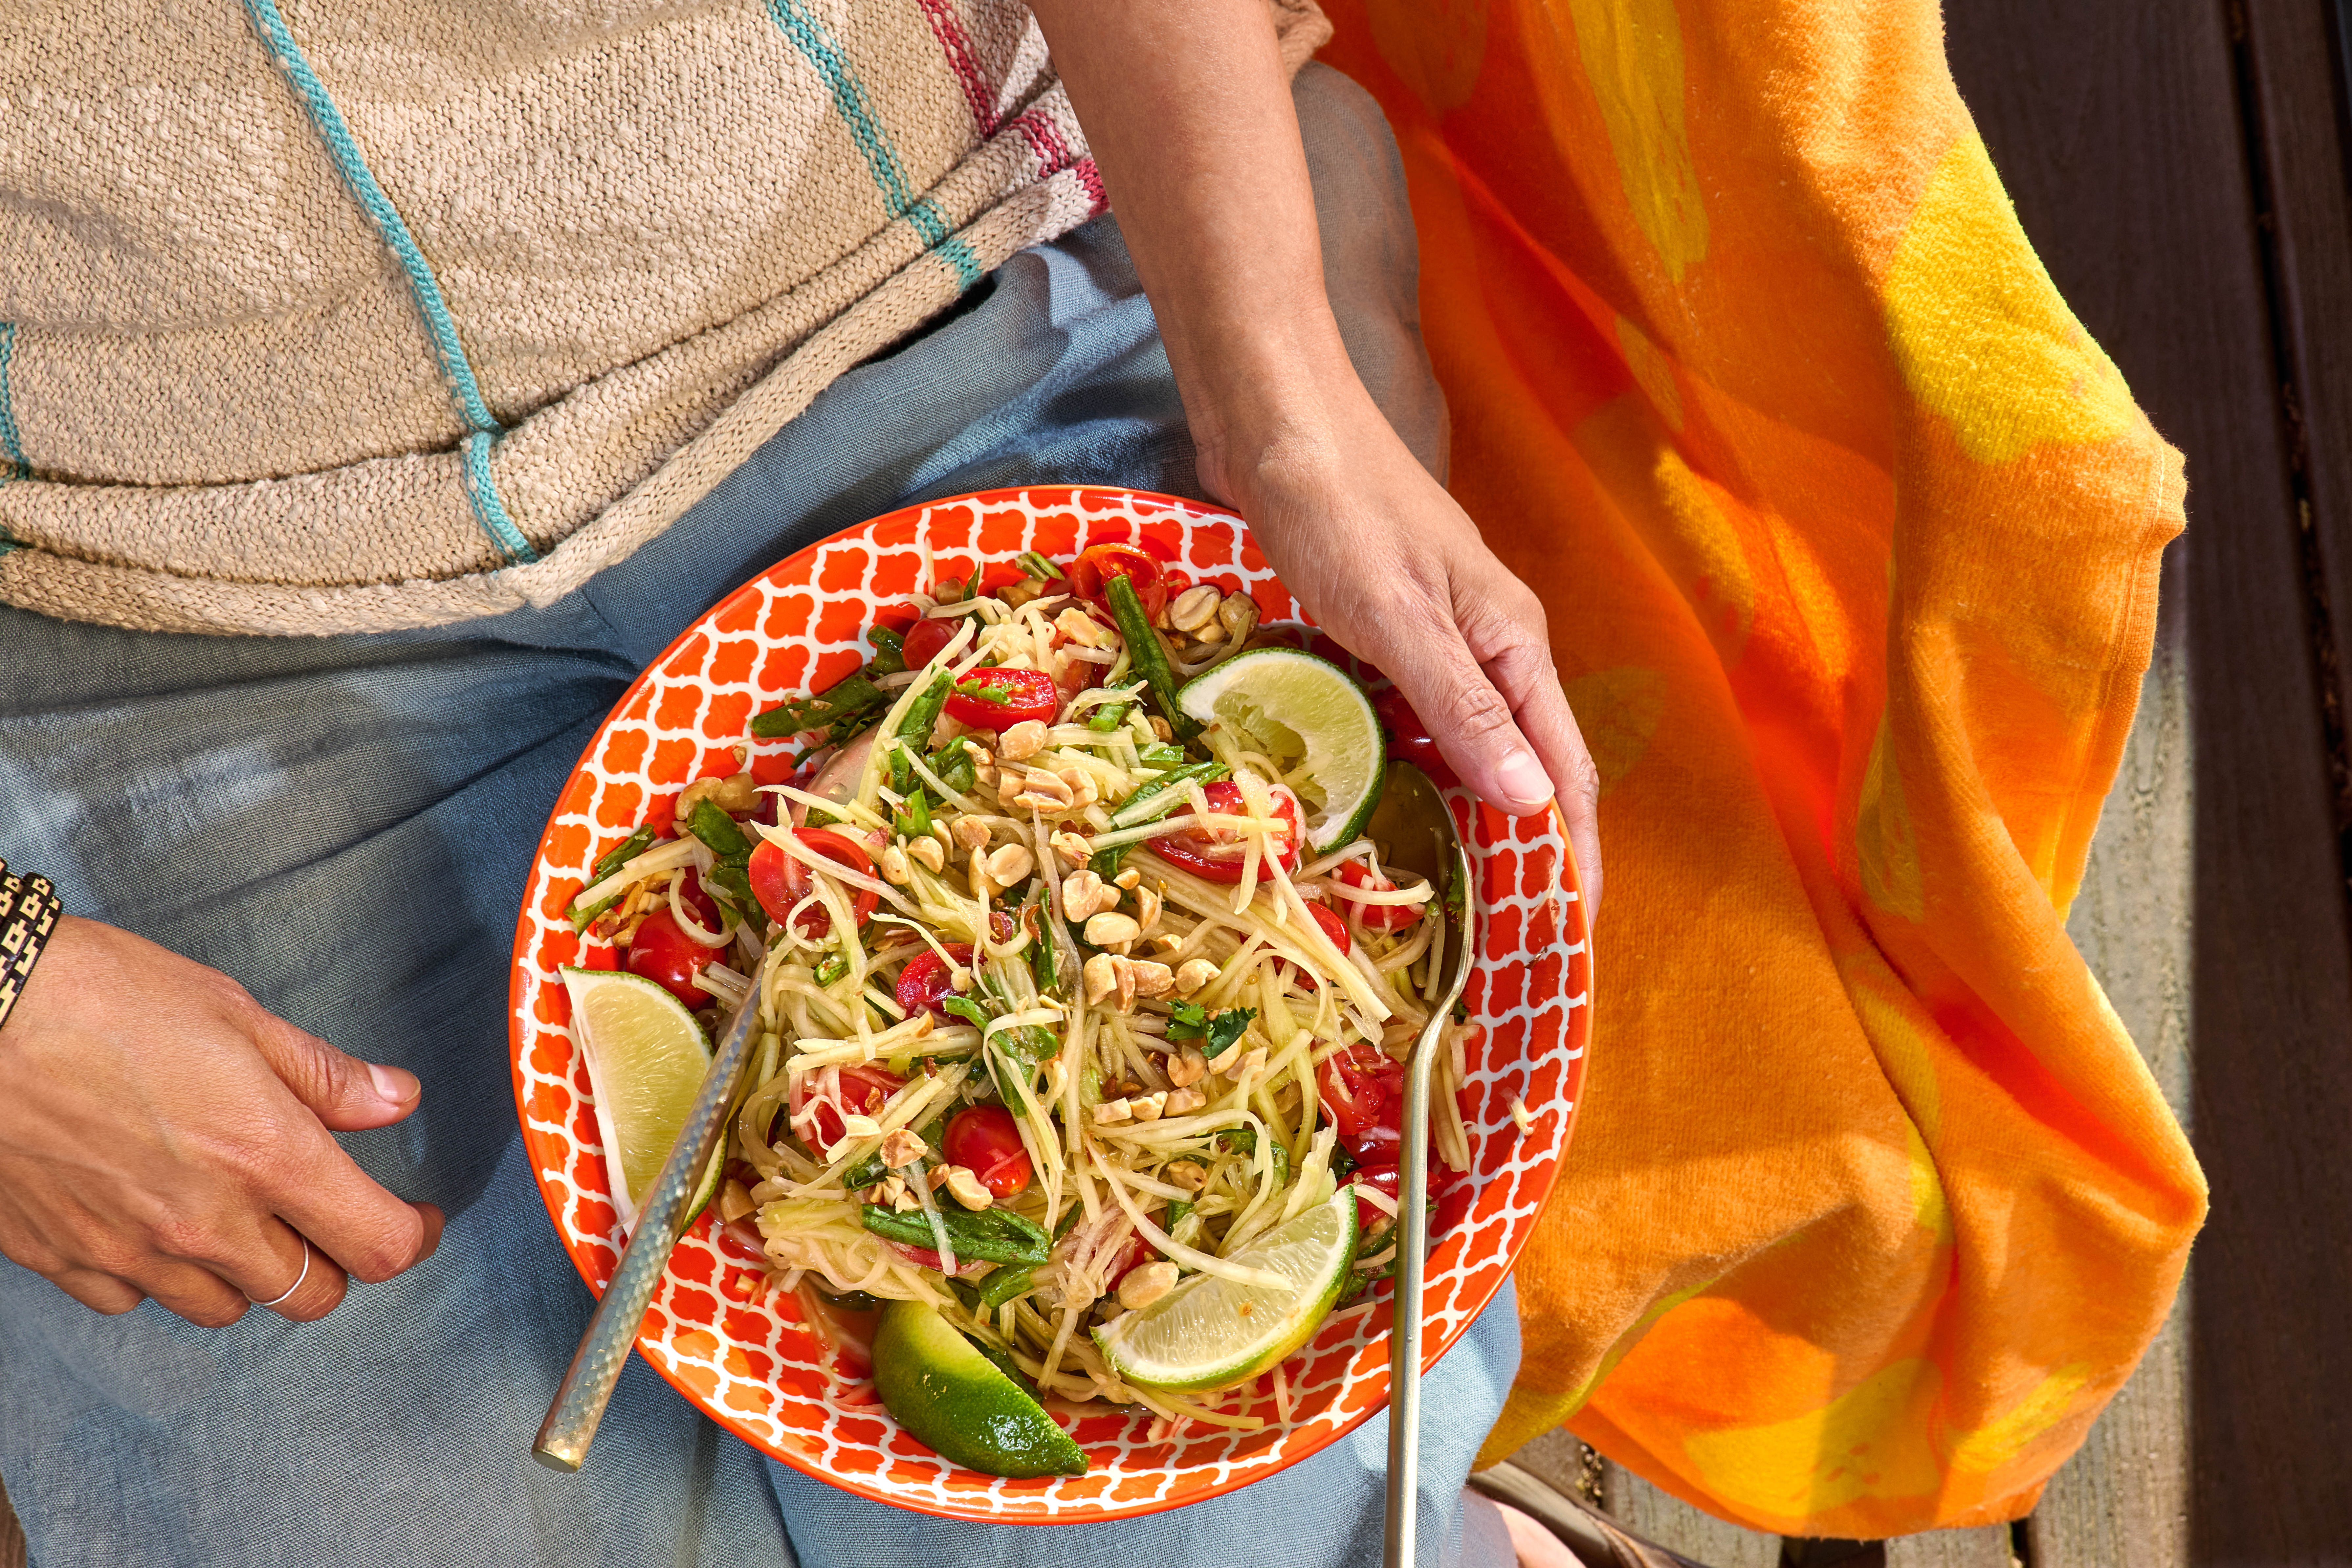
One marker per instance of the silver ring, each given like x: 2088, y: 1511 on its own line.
x: 298, y: 1279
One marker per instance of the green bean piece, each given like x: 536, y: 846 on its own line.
x: 846, y: 704
x: 992, y: 1235
x: 628, y: 850
x: 1150, y: 659
x: 581, y: 919
x: 1003, y: 1286
x: 718, y: 834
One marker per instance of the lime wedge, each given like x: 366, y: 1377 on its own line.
x: 646, y: 1056
x: 1312, y: 720
x: 1212, y: 1332
x: 950, y: 1397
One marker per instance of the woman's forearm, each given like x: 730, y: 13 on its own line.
x: 1188, y: 110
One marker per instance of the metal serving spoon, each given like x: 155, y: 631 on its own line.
x: 1417, y: 830
x: 587, y: 1385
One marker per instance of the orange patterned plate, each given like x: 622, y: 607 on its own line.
x: 744, y: 1353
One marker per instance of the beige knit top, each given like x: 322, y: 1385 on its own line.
x: 322, y: 316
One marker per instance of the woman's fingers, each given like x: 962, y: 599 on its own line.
x: 345, y: 1092
x: 290, y: 1277
x: 164, y: 1136
x: 98, y: 1292
x: 1524, y: 677
x: 318, y: 1190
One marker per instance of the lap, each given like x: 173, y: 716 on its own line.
x: 344, y: 825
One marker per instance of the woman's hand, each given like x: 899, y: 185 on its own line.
x: 1187, y: 111
x: 1383, y: 558
x: 161, y: 1135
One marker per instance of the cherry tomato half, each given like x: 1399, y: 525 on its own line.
x: 1360, y: 1085
x: 924, y: 982
x: 1385, y: 1179
x: 671, y: 958
x: 1449, y: 1189
x: 1091, y: 572
x: 864, y: 1089
x: 1377, y: 917
x: 984, y: 1139
x: 999, y: 699
x: 1333, y: 927
x: 1410, y: 740
x: 1210, y: 854
x: 924, y: 640
x: 779, y: 881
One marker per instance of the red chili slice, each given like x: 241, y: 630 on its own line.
x: 999, y: 699
x: 1214, y: 856
x: 779, y: 881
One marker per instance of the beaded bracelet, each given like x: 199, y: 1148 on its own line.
x: 28, y: 913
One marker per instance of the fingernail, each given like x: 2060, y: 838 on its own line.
x: 396, y: 1087
x: 1524, y: 780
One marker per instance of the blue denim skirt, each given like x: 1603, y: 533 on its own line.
x: 344, y: 825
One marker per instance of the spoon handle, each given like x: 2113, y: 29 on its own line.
x: 1413, y: 1239
x: 587, y: 1385
x: 1404, y: 1330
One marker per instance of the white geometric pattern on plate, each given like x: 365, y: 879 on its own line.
x: 743, y: 1354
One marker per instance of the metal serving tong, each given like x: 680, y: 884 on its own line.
x: 587, y: 1385
x: 1413, y: 822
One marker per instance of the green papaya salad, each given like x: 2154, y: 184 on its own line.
x: 1082, y: 998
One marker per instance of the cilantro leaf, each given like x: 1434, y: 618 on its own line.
x: 1216, y: 1033
x: 969, y: 1010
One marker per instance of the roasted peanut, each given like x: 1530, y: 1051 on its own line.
x: 1194, y: 608
x: 1187, y: 1067
x: 1071, y: 847
x: 1022, y: 742
x: 1081, y: 627
x: 1102, y: 978
x: 1195, y: 973
x: 971, y: 833
x: 903, y: 1148
x: 1146, y: 1283
x: 1147, y: 1107
x: 1010, y: 866
x: 967, y: 1188
x: 1184, y: 1101
x: 1151, y: 978
x: 1084, y: 896
x: 1112, y: 1112
x: 1110, y: 927
x: 894, y: 867
x: 928, y: 853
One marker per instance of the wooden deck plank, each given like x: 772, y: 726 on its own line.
x: 1985, y: 1548
x: 1677, y: 1526
x: 2118, y: 129
x: 2125, y: 1499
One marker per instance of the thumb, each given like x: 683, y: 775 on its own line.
x: 346, y: 1094
x: 1469, y: 719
